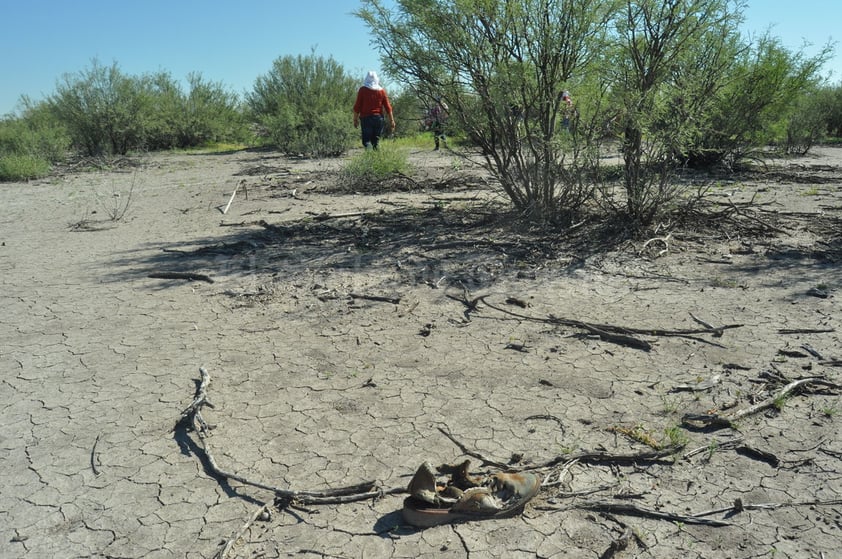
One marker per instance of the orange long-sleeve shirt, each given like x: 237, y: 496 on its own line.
x: 372, y: 102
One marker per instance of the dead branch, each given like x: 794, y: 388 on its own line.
x: 619, y: 339
x: 739, y: 506
x: 580, y: 493
x: 591, y: 457
x: 664, y: 240
x: 470, y: 303
x: 698, y: 386
x: 380, y: 298
x: 325, y: 216
x: 707, y: 325
x: 485, y: 461
x: 408, y: 178
x: 812, y: 351
x: 181, y: 275
x: 758, y: 220
x: 622, y: 335
x: 712, y: 446
x: 262, y: 512
x: 192, y: 416
x: 558, y: 474
x: 236, y: 188
x: 714, y: 420
x: 758, y: 454
x: 636, y: 510
x: 806, y: 330
x: 200, y: 399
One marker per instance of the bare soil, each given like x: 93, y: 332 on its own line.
x: 345, y: 332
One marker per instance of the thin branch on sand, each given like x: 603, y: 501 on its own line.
x: 192, y: 417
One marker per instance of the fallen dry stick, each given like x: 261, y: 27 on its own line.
x: 181, y: 275
x: 261, y: 512
x: 621, y: 335
x: 588, y: 457
x: 806, y: 330
x: 228, y: 205
x: 471, y: 453
x: 617, y: 507
x: 714, y: 420
x: 192, y: 417
x: 591, y: 457
x: 739, y: 506
x: 379, y: 298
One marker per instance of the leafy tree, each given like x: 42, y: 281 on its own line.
x: 164, y: 126
x: 108, y: 112
x: 502, y: 67
x: 832, y: 103
x: 807, y: 122
x: 35, y: 133
x: 305, y: 103
x: 671, y: 57
x: 30, y: 143
x: 760, y: 93
x: 207, y: 113
x: 409, y: 109
x: 102, y: 109
x: 211, y: 113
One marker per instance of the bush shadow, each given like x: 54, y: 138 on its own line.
x: 438, y: 244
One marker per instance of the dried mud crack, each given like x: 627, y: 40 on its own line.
x: 677, y: 391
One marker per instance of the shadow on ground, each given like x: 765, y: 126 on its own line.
x: 474, y: 245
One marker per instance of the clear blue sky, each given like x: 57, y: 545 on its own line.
x: 235, y: 42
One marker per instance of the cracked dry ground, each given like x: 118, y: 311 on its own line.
x: 315, y: 389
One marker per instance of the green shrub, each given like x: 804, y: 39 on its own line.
x: 834, y: 116
x: 22, y: 167
x: 807, y: 124
x: 207, y: 114
x: 103, y: 109
x: 369, y: 168
x: 108, y: 112
x: 320, y: 134
x: 35, y: 134
x: 304, y: 104
x: 754, y: 107
x: 409, y: 110
x: 30, y: 143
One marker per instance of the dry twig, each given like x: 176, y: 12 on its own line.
x: 471, y: 453
x: 621, y: 335
x: 636, y: 510
x: 714, y: 420
x: 380, y: 298
x: 192, y: 416
x: 229, y: 544
x: 181, y: 275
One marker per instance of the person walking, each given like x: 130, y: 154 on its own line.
x: 438, y: 117
x: 370, y: 109
x: 570, y: 112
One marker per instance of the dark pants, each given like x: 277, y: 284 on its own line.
x: 438, y: 133
x: 372, y: 130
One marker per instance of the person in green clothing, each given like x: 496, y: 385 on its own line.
x: 371, y: 109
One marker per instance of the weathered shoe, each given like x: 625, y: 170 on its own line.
x: 500, y: 496
x: 423, y: 488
